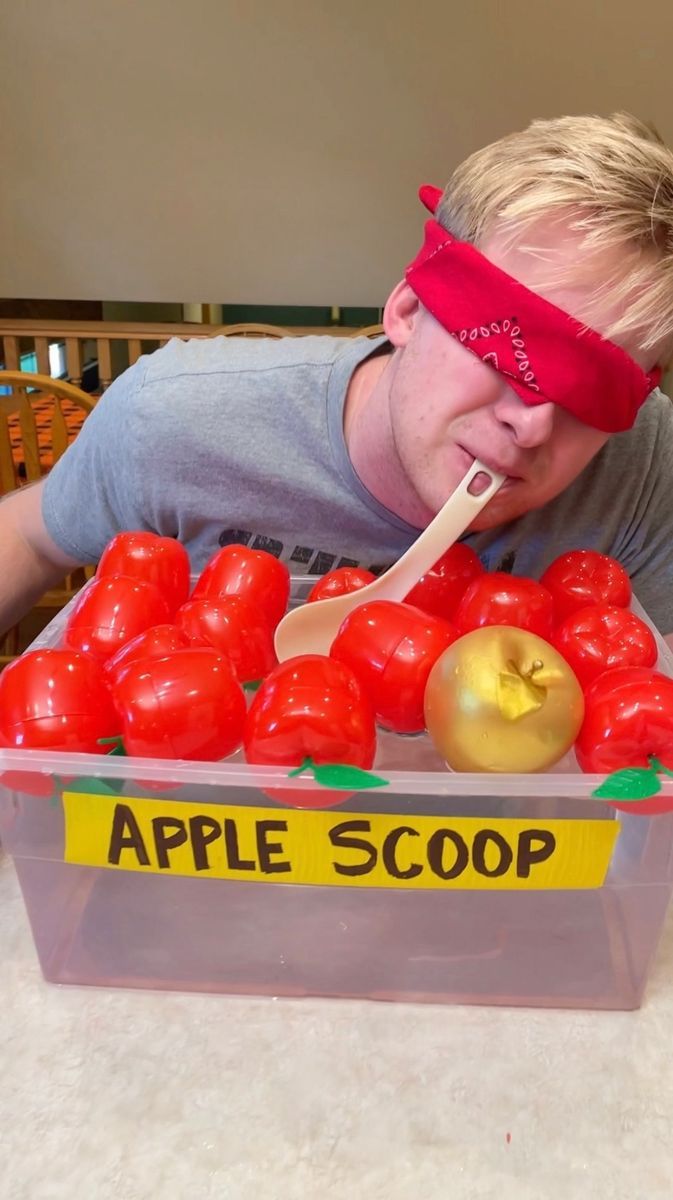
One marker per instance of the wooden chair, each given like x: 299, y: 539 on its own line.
x: 370, y: 331
x: 253, y: 329
x: 28, y: 451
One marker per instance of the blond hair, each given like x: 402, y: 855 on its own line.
x: 611, y: 180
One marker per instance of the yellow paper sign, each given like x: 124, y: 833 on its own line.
x: 380, y: 850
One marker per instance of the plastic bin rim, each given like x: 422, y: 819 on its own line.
x: 242, y: 775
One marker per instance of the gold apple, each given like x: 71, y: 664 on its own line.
x: 502, y: 699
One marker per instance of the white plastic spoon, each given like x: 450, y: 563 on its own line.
x: 311, y: 628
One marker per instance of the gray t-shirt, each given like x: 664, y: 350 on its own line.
x: 241, y: 440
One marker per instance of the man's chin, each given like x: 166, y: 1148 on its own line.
x: 502, y: 510
x: 486, y: 521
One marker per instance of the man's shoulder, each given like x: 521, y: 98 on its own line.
x: 234, y: 356
x: 656, y: 415
x: 648, y: 443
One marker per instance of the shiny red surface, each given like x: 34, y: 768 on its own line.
x: 162, y: 561
x: 340, y: 582
x: 440, y: 591
x: 234, y: 627
x: 497, y: 598
x: 253, y: 574
x: 391, y: 648
x: 602, y: 637
x: 310, y: 707
x: 56, y: 700
x: 111, y: 611
x: 583, y: 577
x: 156, y: 642
x: 628, y: 717
x: 186, y: 705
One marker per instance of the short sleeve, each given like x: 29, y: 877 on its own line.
x: 647, y: 548
x: 97, y: 488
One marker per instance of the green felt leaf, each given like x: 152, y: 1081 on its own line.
x: 56, y: 794
x: 95, y: 787
x: 340, y: 775
x: 252, y: 685
x: 632, y: 783
x: 117, y: 750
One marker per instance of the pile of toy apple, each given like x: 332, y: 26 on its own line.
x: 505, y: 673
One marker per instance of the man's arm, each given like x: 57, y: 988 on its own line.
x: 30, y: 562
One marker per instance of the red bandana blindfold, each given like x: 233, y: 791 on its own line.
x: 544, y: 353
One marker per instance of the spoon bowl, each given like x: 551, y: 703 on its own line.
x: 311, y: 628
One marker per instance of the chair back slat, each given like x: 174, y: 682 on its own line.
x: 60, y: 438
x: 29, y: 442
x: 8, y: 474
x: 104, y: 363
x: 254, y: 329
x: 73, y: 358
x: 42, y: 355
x: 22, y: 458
x: 10, y: 352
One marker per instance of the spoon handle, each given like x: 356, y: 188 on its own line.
x: 451, y: 521
x: 311, y: 628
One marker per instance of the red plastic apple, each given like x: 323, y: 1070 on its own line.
x: 110, y: 611
x: 628, y: 720
x: 310, y: 707
x: 391, y: 648
x: 186, y: 705
x: 56, y: 700
x: 603, y: 637
x: 162, y: 561
x: 441, y: 589
x: 497, y: 598
x: 583, y: 577
x: 254, y: 575
x: 156, y: 642
x: 340, y: 582
x: 234, y: 627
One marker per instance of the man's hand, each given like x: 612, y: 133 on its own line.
x: 30, y: 562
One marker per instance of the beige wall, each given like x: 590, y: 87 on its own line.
x: 266, y: 152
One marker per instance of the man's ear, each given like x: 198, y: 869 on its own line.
x: 400, y: 313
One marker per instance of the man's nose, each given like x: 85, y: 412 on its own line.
x: 529, y: 424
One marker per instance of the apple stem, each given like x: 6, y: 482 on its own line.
x: 58, y: 788
x: 305, y: 766
x: 657, y: 766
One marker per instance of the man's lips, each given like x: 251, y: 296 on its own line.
x: 493, y: 464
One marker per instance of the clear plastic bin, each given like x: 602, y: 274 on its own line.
x: 578, y: 948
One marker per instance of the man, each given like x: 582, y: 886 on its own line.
x: 528, y: 333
